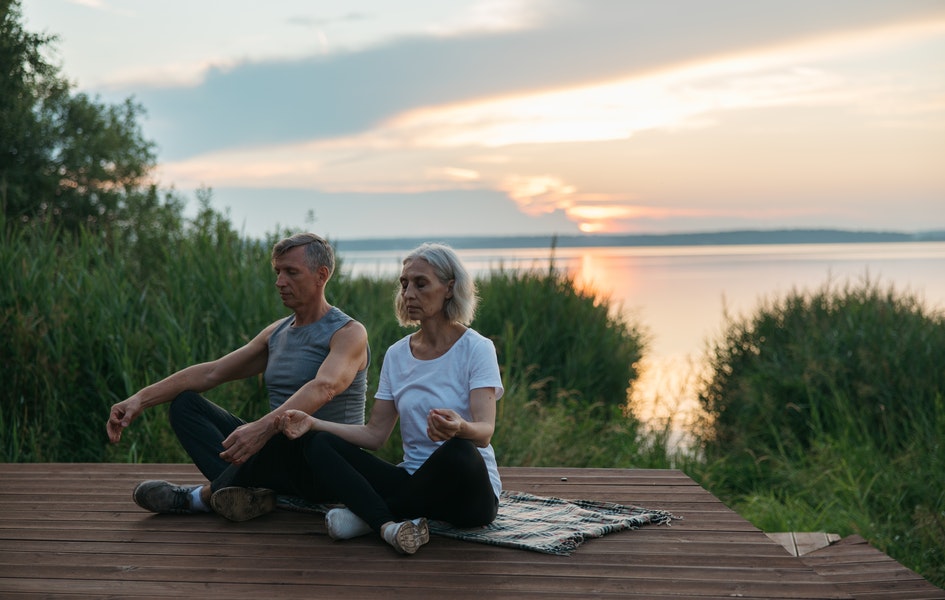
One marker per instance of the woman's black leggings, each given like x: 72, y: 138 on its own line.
x: 452, y: 485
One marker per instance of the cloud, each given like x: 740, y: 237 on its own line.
x: 255, y: 103
x: 618, y: 133
x: 434, y: 215
x: 429, y: 149
x: 536, y: 195
x: 491, y: 16
x: 97, y: 4
x: 319, y: 22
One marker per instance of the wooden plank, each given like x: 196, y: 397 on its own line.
x: 866, y: 573
x: 73, y: 530
x: 798, y: 543
x: 807, y: 542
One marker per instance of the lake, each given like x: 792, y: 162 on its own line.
x: 680, y: 294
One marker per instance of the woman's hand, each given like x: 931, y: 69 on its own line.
x: 296, y: 423
x: 444, y: 424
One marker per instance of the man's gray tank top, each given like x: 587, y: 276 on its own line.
x: 296, y: 353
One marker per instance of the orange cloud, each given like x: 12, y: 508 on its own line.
x: 536, y: 195
x: 544, y: 194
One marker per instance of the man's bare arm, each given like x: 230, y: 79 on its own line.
x: 243, y: 362
x: 347, y: 355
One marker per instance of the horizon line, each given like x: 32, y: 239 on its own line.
x: 718, y: 237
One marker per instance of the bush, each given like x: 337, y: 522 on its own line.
x: 825, y: 411
x: 567, y: 339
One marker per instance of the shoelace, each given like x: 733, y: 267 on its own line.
x: 181, y: 497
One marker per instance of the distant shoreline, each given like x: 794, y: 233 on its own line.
x: 717, y: 238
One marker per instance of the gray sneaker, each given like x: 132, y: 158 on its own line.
x: 164, y: 497
x: 406, y: 537
x: 423, y: 530
x: 243, y: 504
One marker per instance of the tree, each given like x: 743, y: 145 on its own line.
x: 64, y: 158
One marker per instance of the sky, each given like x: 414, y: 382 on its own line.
x: 379, y: 119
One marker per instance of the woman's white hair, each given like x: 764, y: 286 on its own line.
x: 461, y: 307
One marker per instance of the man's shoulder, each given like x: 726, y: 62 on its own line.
x: 354, y: 327
x: 335, y: 317
x: 268, y: 330
x: 350, y: 333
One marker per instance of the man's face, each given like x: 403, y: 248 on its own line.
x: 297, y: 285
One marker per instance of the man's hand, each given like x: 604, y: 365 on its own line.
x: 121, y: 416
x: 246, y: 440
x: 296, y: 423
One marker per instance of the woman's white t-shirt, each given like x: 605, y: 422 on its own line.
x: 418, y: 386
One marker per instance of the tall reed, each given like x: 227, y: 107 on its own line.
x: 86, y: 326
x: 90, y: 321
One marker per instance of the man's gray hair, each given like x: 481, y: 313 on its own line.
x: 318, y: 252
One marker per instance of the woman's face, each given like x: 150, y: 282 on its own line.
x: 423, y: 294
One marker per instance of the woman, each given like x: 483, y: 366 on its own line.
x: 442, y: 382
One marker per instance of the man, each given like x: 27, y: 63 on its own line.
x: 315, y: 361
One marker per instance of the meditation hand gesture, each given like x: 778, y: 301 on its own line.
x: 121, y: 416
x: 296, y: 423
x: 443, y: 424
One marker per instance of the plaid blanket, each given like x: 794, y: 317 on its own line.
x: 541, y: 524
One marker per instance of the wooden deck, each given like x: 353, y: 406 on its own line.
x: 72, y: 530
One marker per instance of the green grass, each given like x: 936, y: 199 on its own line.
x: 824, y: 411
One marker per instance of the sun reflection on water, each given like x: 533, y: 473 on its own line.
x: 678, y: 296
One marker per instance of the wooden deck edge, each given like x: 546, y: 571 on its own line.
x: 799, y: 543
